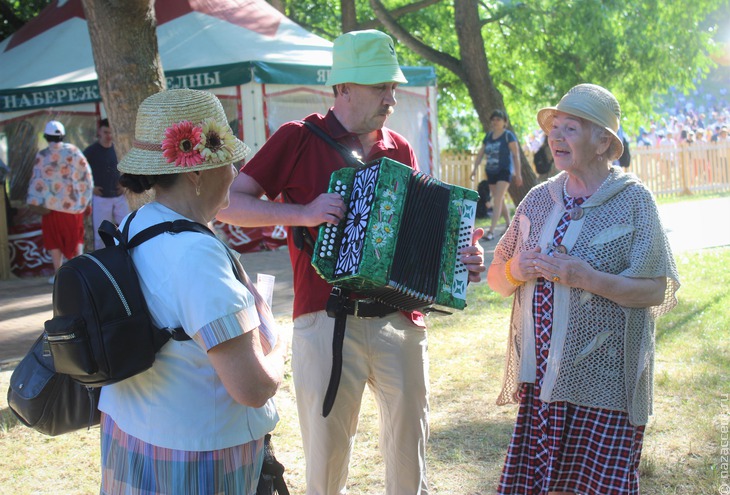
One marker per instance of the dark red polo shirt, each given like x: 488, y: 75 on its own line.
x: 297, y: 163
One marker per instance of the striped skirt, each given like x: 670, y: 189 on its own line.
x: 130, y: 466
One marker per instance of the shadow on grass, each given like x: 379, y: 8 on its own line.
x: 477, y: 440
x: 8, y: 420
x: 689, y: 317
x: 476, y: 449
x: 660, y: 475
x: 684, y: 316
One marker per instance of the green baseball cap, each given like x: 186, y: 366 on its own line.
x: 364, y: 57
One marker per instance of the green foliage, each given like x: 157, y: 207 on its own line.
x: 540, y: 49
x: 323, y: 18
x: 537, y: 50
x: 15, y: 13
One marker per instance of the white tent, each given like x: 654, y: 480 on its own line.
x: 269, y: 69
x: 266, y: 70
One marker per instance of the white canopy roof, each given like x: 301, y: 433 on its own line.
x: 54, y: 49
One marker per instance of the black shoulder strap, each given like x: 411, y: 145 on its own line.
x: 301, y: 236
x: 173, y: 227
x: 350, y: 158
x: 109, y: 232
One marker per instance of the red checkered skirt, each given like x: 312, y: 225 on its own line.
x: 565, y: 447
x: 560, y: 446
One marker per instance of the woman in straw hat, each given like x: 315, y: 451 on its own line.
x: 195, y: 422
x: 590, y: 268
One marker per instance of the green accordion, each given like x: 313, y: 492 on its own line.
x: 399, y: 239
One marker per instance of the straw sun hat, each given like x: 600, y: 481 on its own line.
x: 590, y: 102
x: 364, y: 57
x: 181, y: 130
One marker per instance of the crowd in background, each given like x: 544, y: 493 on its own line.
x: 685, y: 122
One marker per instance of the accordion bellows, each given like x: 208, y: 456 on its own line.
x: 399, y: 239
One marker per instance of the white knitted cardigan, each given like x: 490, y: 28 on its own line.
x: 601, y: 354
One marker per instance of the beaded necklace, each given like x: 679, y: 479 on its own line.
x: 565, y: 186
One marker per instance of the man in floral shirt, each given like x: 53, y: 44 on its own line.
x: 60, y: 189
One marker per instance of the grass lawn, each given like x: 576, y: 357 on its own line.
x: 469, y: 433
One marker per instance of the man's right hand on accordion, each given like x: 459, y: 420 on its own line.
x: 325, y: 208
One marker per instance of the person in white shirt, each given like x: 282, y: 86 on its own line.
x: 196, y: 421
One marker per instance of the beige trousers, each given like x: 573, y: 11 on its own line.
x: 389, y: 355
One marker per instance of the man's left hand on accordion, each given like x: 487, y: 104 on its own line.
x: 473, y: 257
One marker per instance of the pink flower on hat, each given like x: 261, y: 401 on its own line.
x: 180, y: 142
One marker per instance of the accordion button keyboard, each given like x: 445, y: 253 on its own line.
x: 330, y: 232
x: 328, y: 242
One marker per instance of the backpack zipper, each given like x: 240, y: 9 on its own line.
x: 113, y: 282
x: 60, y: 338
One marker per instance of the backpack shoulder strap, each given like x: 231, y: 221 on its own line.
x: 109, y: 232
x: 173, y: 227
x: 163, y: 335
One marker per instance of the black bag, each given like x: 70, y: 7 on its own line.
x: 543, y: 159
x: 625, y: 158
x: 484, y: 197
x: 271, y: 481
x: 49, y: 402
x: 101, y: 331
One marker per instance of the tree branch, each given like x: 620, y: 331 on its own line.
x: 492, y: 18
x: 398, y: 13
x: 437, y: 57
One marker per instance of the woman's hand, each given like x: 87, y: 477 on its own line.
x: 523, y: 265
x: 630, y: 292
x: 521, y: 269
x: 562, y: 268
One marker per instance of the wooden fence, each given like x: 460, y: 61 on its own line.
x: 666, y: 171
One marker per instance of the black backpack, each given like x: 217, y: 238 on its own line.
x: 101, y: 331
x: 543, y: 159
x: 484, y: 197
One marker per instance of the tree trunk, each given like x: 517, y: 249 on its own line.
x: 478, y: 80
x: 279, y: 5
x: 127, y: 60
x: 472, y: 68
x: 349, y: 15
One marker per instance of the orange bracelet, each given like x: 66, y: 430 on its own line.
x: 508, y: 274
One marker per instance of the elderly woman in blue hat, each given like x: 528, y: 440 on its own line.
x: 590, y: 269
